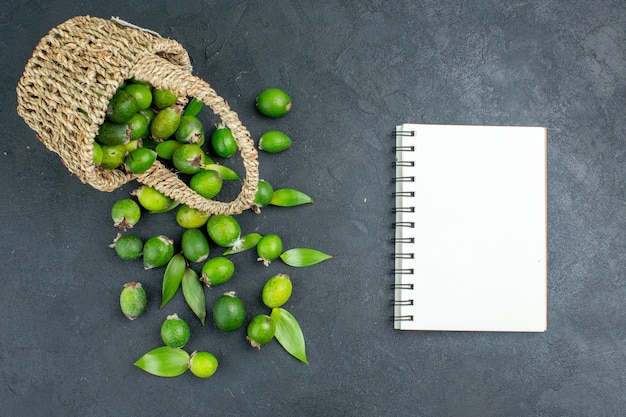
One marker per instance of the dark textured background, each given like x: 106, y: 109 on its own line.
x: 354, y: 70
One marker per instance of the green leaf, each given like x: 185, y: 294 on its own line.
x: 225, y: 172
x: 193, y: 291
x: 164, y: 361
x: 249, y: 241
x: 172, y: 278
x: 289, y: 334
x: 287, y: 197
x: 303, y: 257
x: 193, y: 107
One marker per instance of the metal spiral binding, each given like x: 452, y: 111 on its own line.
x: 405, y: 224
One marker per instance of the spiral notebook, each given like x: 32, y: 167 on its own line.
x: 470, y: 228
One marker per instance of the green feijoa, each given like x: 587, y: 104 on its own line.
x: 224, y: 230
x: 139, y: 160
x: 157, y: 251
x: 195, y: 245
x: 153, y: 200
x: 229, y: 312
x: 132, y: 300
x: 277, y: 290
x: 269, y: 248
x: 217, y: 271
x: 112, y: 156
x: 202, y: 364
x: 141, y: 93
x: 121, y: 107
x: 261, y: 330
x: 112, y: 134
x: 273, y: 102
x: 165, y: 123
x: 189, y: 130
x: 207, y: 183
x: 175, y: 331
x: 189, y: 158
x: 125, y: 213
x: 149, y: 114
x: 274, y: 141
x: 162, y: 97
x: 223, y: 141
x: 97, y: 154
x: 263, y: 194
x: 127, y: 247
x: 165, y: 149
x: 191, y: 218
x: 139, y: 126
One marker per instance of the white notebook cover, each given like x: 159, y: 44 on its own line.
x: 477, y: 220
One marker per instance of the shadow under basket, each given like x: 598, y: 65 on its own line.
x: 74, y: 72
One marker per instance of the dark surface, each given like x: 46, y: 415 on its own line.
x: 354, y: 70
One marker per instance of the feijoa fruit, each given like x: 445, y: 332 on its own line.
x: 125, y: 213
x: 202, y: 364
x: 229, y: 312
x: 273, y: 102
x: 175, y: 331
x: 277, y: 290
x: 157, y: 251
x: 260, y: 331
x: 132, y: 300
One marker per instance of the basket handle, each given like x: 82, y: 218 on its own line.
x: 162, y: 73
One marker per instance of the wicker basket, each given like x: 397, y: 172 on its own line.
x: 74, y: 72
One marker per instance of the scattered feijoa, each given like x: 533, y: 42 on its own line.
x: 191, y: 218
x: 269, y: 248
x: 175, y: 331
x: 157, y: 251
x: 223, y: 141
x: 127, y: 247
x: 263, y: 194
x: 132, y: 300
x: 274, y: 141
x: 125, y: 213
x: 189, y: 158
x: 217, y: 271
x: 195, y: 245
x: 153, y: 200
x: 203, y: 364
x: 229, y: 312
x: 207, y: 183
x: 224, y: 230
x: 273, y: 102
x: 261, y: 330
x: 277, y: 290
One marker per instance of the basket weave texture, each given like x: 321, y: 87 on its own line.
x: 76, y: 69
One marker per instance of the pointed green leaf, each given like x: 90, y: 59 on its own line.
x: 225, y: 172
x: 193, y: 291
x: 164, y: 361
x: 172, y: 278
x: 193, y: 107
x: 303, y: 257
x: 289, y: 334
x: 249, y: 241
x: 287, y: 197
